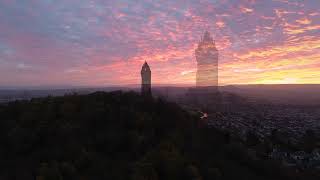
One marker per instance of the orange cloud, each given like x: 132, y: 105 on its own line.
x: 278, y: 51
x: 304, y: 21
x: 220, y: 24
x: 298, y: 30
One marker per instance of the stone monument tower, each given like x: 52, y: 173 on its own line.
x: 146, y: 79
x: 207, y: 62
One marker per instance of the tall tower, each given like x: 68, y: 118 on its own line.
x: 146, y: 79
x: 207, y: 62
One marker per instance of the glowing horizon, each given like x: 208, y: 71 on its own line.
x: 101, y: 43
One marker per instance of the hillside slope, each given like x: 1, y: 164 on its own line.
x: 119, y: 136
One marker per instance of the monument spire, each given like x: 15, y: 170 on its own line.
x: 207, y: 62
x: 145, y: 79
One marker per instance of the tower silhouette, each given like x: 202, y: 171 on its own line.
x: 207, y: 62
x: 145, y: 79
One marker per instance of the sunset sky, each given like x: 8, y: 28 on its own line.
x: 105, y: 42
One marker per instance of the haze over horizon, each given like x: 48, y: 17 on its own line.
x: 102, y: 43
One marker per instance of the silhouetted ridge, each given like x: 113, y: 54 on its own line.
x: 121, y: 136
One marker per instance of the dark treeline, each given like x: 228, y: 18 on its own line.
x: 121, y: 136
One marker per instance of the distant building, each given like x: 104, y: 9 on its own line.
x: 207, y: 62
x: 146, y: 80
